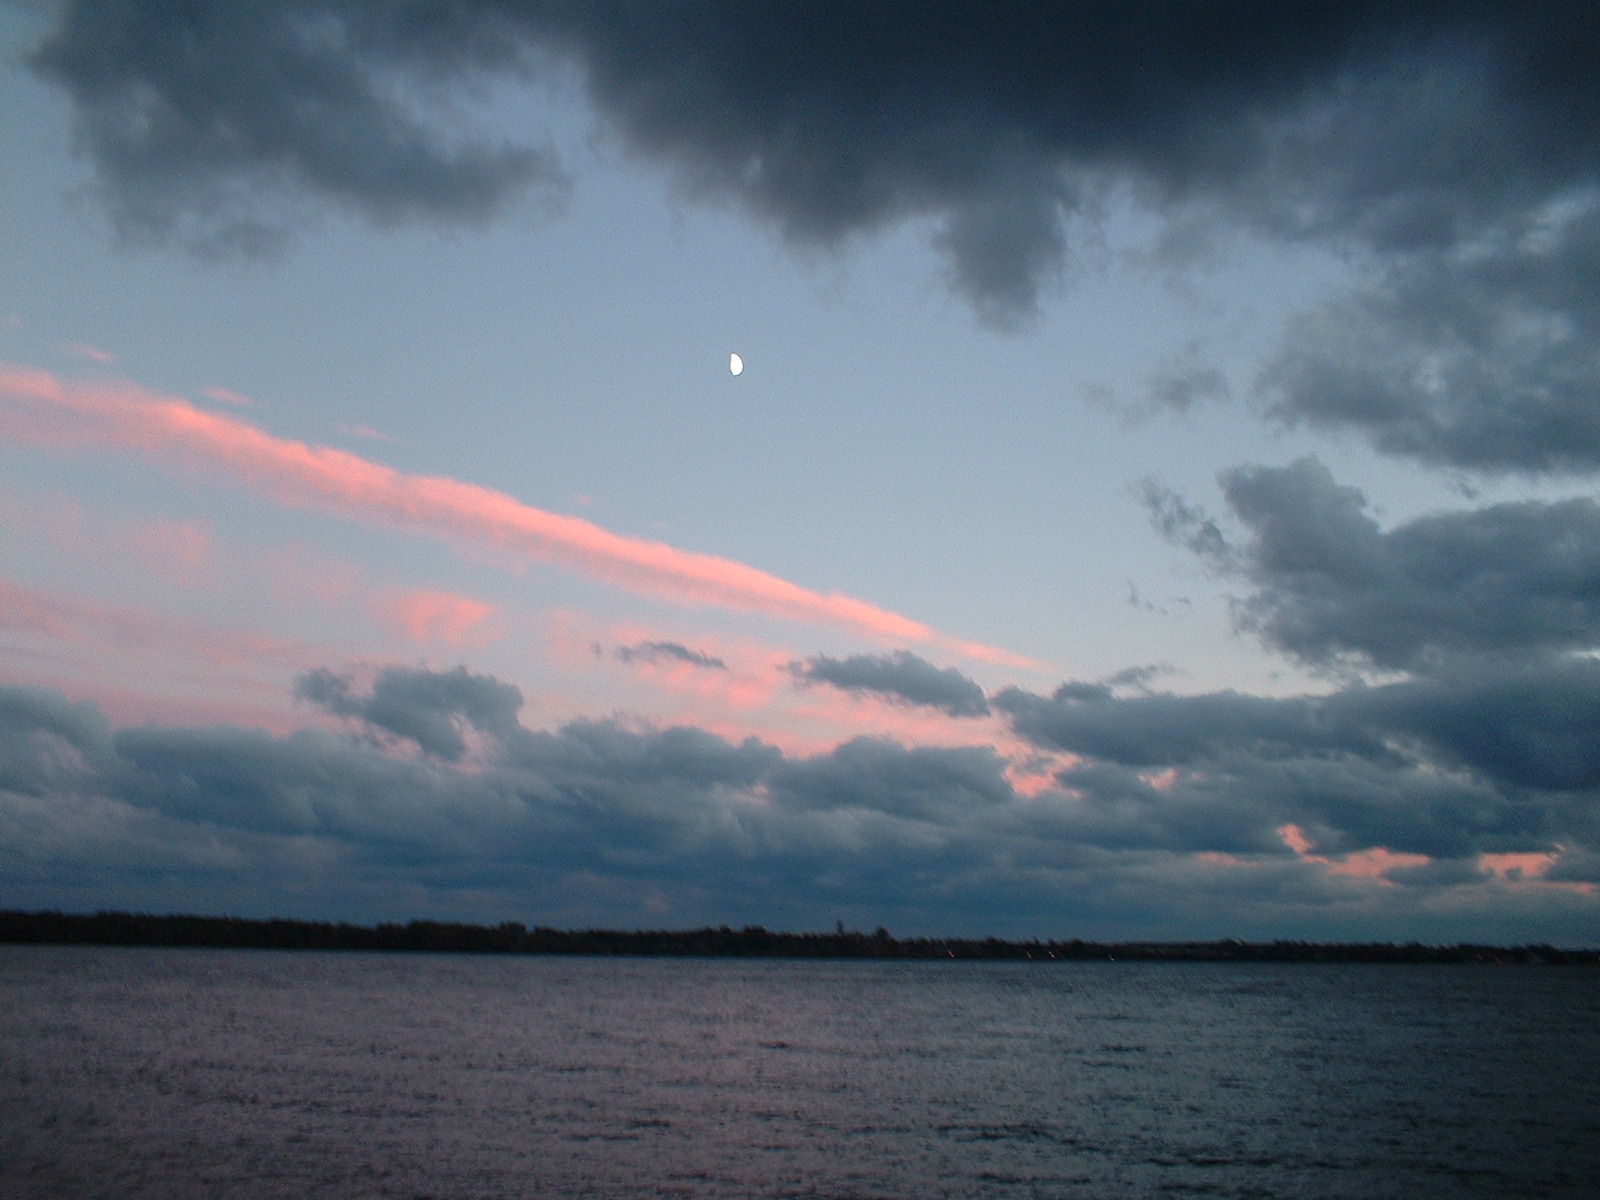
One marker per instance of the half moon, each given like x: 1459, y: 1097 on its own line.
x: 735, y: 364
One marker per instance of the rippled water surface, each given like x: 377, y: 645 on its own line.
x: 162, y: 1073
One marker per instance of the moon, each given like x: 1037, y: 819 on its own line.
x: 735, y: 364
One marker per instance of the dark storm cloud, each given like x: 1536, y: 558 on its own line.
x: 901, y: 677
x: 429, y: 708
x: 655, y: 652
x: 1329, y: 582
x: 1397, y: 128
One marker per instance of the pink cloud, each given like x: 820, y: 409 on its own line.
x: 297, y: 573
x: 368, y: 432
x: 223, y: 396
x: 1374, y: 864
x: 1531, y: 867
x: 37, y: 408
x: 1526, y: 865
x: 436, y: 616
x: 179, y: 552
x: 142, y: 666
x: 92, y: 353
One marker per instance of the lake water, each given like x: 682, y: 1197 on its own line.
x: 134, y: 1073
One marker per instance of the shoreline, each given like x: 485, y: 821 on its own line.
x: 512, y: 937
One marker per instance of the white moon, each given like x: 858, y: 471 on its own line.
x: 735, y: 364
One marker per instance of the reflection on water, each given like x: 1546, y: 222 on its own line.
x: 157, y: 1073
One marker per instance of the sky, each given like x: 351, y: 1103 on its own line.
x: 1159, y: 501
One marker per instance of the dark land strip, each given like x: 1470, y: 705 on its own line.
x: 511, y: 937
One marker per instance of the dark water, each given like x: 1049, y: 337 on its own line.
x: 188, y: 1073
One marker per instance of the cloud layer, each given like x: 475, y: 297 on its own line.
x: 1366, y: 808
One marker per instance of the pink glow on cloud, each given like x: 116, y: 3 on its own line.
x: 1530, y: 868
x: 755, y: 694
x: 368, y: 432
x: 1526, y: 865
x: 140, y: 666
x: 426, y: 615
x: 1374, y: 864
x: 297, y: 572
x: 178, y: 552
x: 92, y: 353
x: 1295, y: 840
x: 39, y: 409
x: 223, y: 396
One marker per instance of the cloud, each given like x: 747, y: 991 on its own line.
x: 1330, y: 584
x: 36, y: 408
x: 1399, y: 130
x: 871, y: 775
x: 429, y: 614
x: 607, y: 821
x: 205, y: 122
x: 224, y: 395
x: 901, y: 678
x: 1160, y: 729
x: 1483, y: 356
x: 428, y: 708
x: 1487, y: 758
x: 656, y: 652
x: 92, y: 353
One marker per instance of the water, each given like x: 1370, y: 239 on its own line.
x: 135, y: 1073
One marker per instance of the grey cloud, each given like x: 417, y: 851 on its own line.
x: 873, y: 774
x: 1484, y: 356
x: 1401, y: 129
x: 1185, y: 524
x: 1160, y: 729
x: 429, y: 708
x: 307, y: 783
x: 205, y: 121
x: 44, y: 739
x: 606, y: 821
x: 1329, y: 582
x: 901, y: 677
x: 1487, y: 757
x: 1527, y: 726
x: 653, y: 652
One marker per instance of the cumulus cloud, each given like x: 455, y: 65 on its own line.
x: 901, y: 678
x: 1330, y: 584
x: 657, y: 652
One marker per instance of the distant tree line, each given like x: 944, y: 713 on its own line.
x: 511, y: 937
